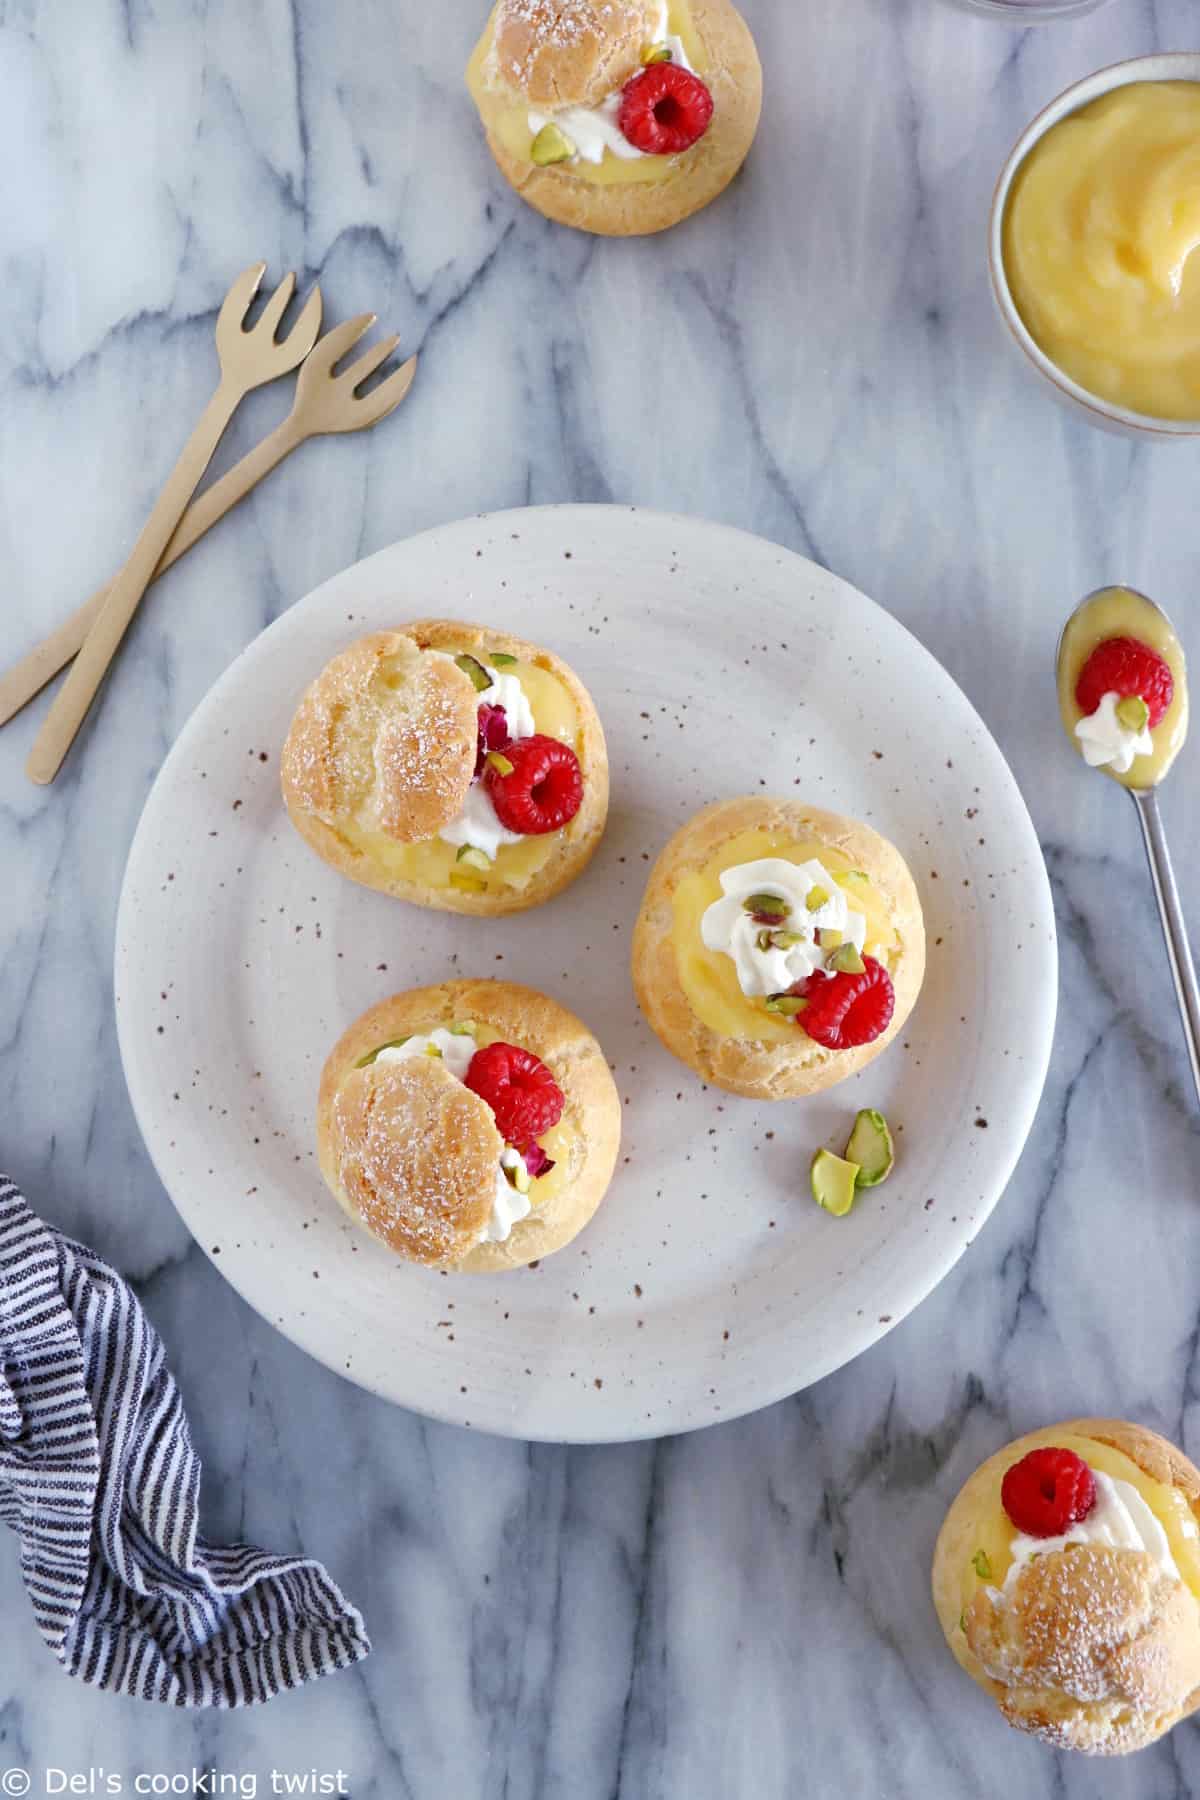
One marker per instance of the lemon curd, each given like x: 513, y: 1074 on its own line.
x: 997, y: 1532
x: 432, y: 862
x: 506, y: 115
x: 1121, y: 612
x: 1099, y: 235
x: 709, y: 978
x: 560, y: 1144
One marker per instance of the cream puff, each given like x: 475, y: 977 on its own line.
x: 451, y: 765
x: 778, y: 948
x: 1067, y: 1581
x: 619, y: 117
x: 472, y: 1126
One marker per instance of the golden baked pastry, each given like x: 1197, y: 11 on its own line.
x: 419, y: 1159
x: 548, y: 78
x: 858, y: 915
x: 379, y: 767
x: 1091, y: 1643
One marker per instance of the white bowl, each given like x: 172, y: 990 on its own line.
x: 1181, y: 65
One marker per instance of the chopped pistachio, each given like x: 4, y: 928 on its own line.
x: 846, y: 960
x: 982, y: 1565
x: 473, y: 858
x: 499, y: 762
x: 817, y: 898
x: 465, y: 1028
x: 787, y: 940
x: 828, y: 938
x: 765, y: 939
x: 501, y: 659
x: 1133, y: 712
x: 518, y: 1176
x: 432, y: 1050
x: 471, y: 665
x: 787, y: 1004
x: 857, y: 875
x: 767, y: 907
x: 551, y: 146
x: 658, y: 53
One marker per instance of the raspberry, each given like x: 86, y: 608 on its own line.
x: 544, y: 791
x: 1120, y: 665
x: 519, y: 1088
x: 665, y: 109
x: 493, y: 733
x: 1047, y: 1492
x: 845, y: 1011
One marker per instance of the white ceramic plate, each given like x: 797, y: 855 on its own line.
x: 709, y: 1283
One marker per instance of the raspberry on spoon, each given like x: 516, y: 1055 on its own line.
x: 665, y: 109
x: 1047, y: 1492
x: 542, y: 790
x: 1123, y: 666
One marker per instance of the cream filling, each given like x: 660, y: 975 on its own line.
x: 595, y: 129
x: 764, y: 966
x: 1120, y: 1519
x: 477, y: 823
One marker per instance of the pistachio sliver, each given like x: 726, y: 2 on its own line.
x: 1133, y: 713
x: 790, y: 1006
x: 828, y: 938
x: 981, y: 1562
x: 767, y: 909
x: 846, y: 960
x: 496, y: 760
x: 473, y: 858
x: 551, y: 145
x: 471, y: 665
x: 464, y: 1028
x: 816, y: 898
x: 658, y: 53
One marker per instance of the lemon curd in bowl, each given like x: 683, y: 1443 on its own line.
x: 1100, y: 230
x: 710, y: 980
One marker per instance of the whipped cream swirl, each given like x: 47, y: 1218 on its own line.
x: 455, y: 1049
x: 1106, y: 743
x: 765, y: 964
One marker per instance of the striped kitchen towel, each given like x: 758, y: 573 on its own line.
x: 99, y: 1479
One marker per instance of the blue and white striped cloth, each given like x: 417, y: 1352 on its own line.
x: 99, y: 1479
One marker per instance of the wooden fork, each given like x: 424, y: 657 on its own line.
x: 248, y: 359
x: 326, y: 402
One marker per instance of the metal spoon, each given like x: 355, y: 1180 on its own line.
x: 1162, y: 874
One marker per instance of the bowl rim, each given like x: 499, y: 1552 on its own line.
x: 1153, y: 67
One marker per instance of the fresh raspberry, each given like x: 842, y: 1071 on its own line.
x: 1047, y: 1492
x: 665, y: 109
x: 845, y: 1011
x: 1120, y: 665
x: 493, y: 733
x: 519, y: 1088
x: 544, y: 791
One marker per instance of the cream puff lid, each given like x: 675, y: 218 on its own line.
x: 569, y: 52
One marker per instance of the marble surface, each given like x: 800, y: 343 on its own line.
x: 745, y: 1611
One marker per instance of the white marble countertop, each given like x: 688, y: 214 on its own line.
x: 743, y: 1612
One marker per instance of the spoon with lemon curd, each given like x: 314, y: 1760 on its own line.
x: 1122, y: 692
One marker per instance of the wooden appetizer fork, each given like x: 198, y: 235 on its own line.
x: 326, y: 402
x: 248, y: 358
